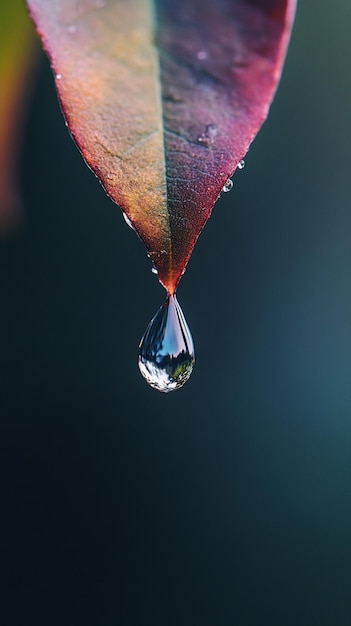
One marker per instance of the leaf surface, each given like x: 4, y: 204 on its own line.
x: 163, y: 99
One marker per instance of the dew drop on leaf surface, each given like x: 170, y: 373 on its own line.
x: 228, y: 186
x: 166, y: 351
x: 127, y: 220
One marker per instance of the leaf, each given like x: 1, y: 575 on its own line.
x: 17, y: 50
x: 163, y: 99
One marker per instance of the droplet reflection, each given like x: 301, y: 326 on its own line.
x: 166, y: 351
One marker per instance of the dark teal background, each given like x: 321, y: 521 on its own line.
x: 227, y: 503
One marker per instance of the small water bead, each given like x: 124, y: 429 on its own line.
x: 127, y: 221
x: 202, y: 55
x: 58, y: 76
x: 241, y: 164
x: 154, y: 270
x: 208, y: 136
x: 228, y: 186
x: 166, y: 351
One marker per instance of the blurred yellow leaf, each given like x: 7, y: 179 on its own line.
x: 17, y: 45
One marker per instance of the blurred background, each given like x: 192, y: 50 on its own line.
x: 225, y: 503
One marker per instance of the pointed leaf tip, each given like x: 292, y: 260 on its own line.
x: 163, y: 100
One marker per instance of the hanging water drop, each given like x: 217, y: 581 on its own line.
x: 166, y: 351
x: 241, y: 164
x: 228, y: 186
x: 154, y: 269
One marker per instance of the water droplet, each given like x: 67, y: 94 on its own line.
x: 241, y: 164
x: 228, y: 186
x: 207, y: 137
x: 166, y: 351
x: 202, y: 55
x: 127, y: 221
x: 154, y: 269
x: 58, y: 76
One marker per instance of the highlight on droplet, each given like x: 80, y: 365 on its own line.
x: 166, y: 351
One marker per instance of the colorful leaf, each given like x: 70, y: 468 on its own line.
x: 163, y: 99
